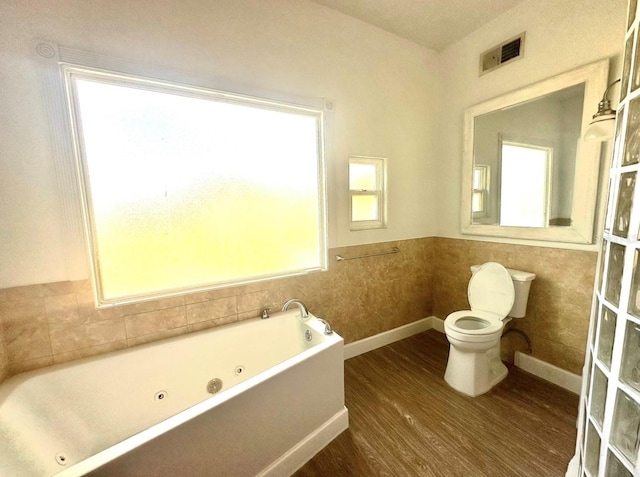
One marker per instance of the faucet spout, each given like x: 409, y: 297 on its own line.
x: 304, y: 312
x: 327, y: 327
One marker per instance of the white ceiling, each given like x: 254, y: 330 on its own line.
x: 435, y: 24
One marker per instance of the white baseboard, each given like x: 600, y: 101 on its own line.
x: 308, y: 447
x: 541, y: 369
x: 387, y: 337
x: 549, y: 372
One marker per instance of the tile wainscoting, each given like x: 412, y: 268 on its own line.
x: 559, y: 305
x: 4, y: 360
x: 53, y: 323
x: 56, y: 322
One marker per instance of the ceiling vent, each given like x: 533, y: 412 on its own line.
x: 502, y: 54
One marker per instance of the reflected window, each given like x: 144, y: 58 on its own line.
x: 480, y: 197
x: 524, y: 185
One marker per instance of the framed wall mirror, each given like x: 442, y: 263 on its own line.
x: 527, y: 171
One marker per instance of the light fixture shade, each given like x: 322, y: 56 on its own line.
x: 601, y: 128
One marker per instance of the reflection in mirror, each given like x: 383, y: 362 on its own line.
x: 527, y: 172
x: 524, y: 184
x: 531, y: 149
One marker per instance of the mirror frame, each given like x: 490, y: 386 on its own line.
x: 585, y: 190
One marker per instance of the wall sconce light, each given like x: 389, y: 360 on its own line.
x: 601, y: 127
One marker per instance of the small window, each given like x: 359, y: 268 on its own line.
x: 367, y: 190
x: 479, y: 199
x: 187, y: 188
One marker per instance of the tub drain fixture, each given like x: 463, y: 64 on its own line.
x: 61, y: 458
x: 160, y: 395
x: 214, y: 385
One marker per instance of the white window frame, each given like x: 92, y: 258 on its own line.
x: 483, y: 190
x: 260, y: 99
x: 380, y: 192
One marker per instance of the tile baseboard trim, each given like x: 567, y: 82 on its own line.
x: 549, y: 372
x: 387, y: 337
x: 437, y: 324
x: 537, y: 367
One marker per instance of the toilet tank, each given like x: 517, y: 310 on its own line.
x: 521, y: 284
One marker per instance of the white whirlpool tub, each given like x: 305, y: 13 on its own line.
x: 149, y: 410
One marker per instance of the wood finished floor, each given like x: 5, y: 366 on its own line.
x: 405, y: 421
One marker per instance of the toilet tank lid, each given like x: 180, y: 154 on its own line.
x: 516, y: 275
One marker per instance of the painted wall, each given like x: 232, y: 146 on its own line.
x: 385, y: 91
x: 56, y: 322
x: 558, y: 311
x: 392, y: 98
x: 53, y: 323
x: 560, y: 36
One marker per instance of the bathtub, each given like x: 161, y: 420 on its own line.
x: 258, y: 397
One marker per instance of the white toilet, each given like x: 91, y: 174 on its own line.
x: 496, y: 294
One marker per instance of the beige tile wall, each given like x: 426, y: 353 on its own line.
x: 4, y: 360
x: 54, y: 323
x: 559, y: 306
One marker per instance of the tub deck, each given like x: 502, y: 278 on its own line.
x: 147, y: 411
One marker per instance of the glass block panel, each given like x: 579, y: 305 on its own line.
x: 598, y: 395
x: 592, y: 451
x: 593, y: 324
x: 634, y: 294
x: 603, y: 257
x: 606, y: 331
x: 615, y: 467
x: 626, y: 68
x: 590, y: 369
x: 614, y: 273
x: 364, y: 207
x: 616, y: 161
x: 630, y: 369
x: 633, y: 4
x: 625, y: 202
x: 632, y: 138
x: 635, y: 82
x: 613, y: 183
x: 626, y: 424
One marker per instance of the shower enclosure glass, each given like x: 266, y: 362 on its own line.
x: 609, y: 430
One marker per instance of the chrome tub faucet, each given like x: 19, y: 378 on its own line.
x: 327, y: 327
x: 304, y: 312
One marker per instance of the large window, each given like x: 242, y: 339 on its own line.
x: 187, y: 188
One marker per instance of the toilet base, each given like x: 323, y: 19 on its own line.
x: 474, y: 372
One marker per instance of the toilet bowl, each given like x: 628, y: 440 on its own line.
x: 495, y: 295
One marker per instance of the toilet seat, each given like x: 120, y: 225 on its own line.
x: 469, y: 322
x: 491, y: 295
x: 491, y: 289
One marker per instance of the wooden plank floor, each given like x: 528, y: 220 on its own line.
x: 405, y: 421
